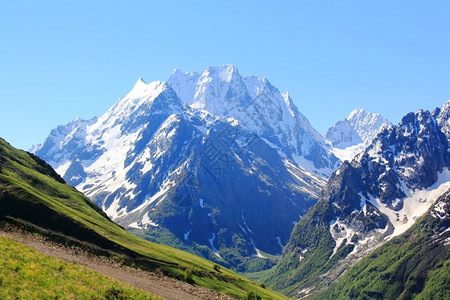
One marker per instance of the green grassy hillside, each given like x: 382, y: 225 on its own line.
x: 28, y: 274
x: 33, y: 195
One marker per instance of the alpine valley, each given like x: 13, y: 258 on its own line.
x: 226, y: 167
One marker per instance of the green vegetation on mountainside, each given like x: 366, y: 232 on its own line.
x: 414, y: 265
x: 242, y: 263
x: 306, y: 255
x: 30, y: 190
x: 28, y: 274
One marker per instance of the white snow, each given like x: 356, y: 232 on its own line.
x: 343, y: 135
x: 440, y: 210
x: 254, y: 103
x: 415, y: 204
x: 146, y: 221
x: 301, y: 255
x: 343, y: 232
x: 244, y: 221
x: 111, y: 211
x: 259, y: 254
x: 352, y: 135
x: 134, y: 225
x: 447, y: 241
x: 376, y: 153
x: 366, y: 124
x: 159, y: 196
x: 309, y: 166
x: 307, y: 182
x: 213, y: 248
x: 305, y: 292
x: 363, y: 204
x: 145, y: 159
x: 348, y: 153
x: 186, y: 235
x: 62, y: 169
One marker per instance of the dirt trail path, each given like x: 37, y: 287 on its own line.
x: 157, y: 284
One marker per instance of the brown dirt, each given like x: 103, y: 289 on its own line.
x: 154, y: 283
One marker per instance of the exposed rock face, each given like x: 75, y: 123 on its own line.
x: 378, y: 195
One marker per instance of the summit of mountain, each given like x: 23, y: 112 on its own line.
x: 212, y: 162
x: 351, y: 135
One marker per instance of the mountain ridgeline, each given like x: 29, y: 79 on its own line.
x: 354, y: 133
x: 377, y: 196
x: 213, y: 162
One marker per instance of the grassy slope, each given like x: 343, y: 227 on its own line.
x: 30, y: 190
x: 312, y: 233
x: 28, y: 274
x: 415, y: 265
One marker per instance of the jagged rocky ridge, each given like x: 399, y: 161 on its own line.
x: 354, y: 133
x: 376, y: 196
x: 258, y: 107
x: 415, y: 265
x: 221, y: 183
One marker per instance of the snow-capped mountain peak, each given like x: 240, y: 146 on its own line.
x: 143, y: 98
x: 144, y: 91
x: 225, y: 73
x: 354, y: 133
x: 260, y: 108
x: 343, y: 135
x: 366, y: 124
x: 188, y: 143
x: 212, y: 89
x: 442, y: 116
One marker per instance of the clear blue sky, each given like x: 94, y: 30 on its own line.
x: 63, y: 59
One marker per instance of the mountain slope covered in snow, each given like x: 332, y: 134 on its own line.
x: 354, y: 133
x: 200, y: 163
x: 258, y: 107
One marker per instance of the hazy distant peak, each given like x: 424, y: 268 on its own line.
x: 354, y: 133
x: 366, y: 124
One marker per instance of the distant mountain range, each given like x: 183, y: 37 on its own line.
x: 224, y: 166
